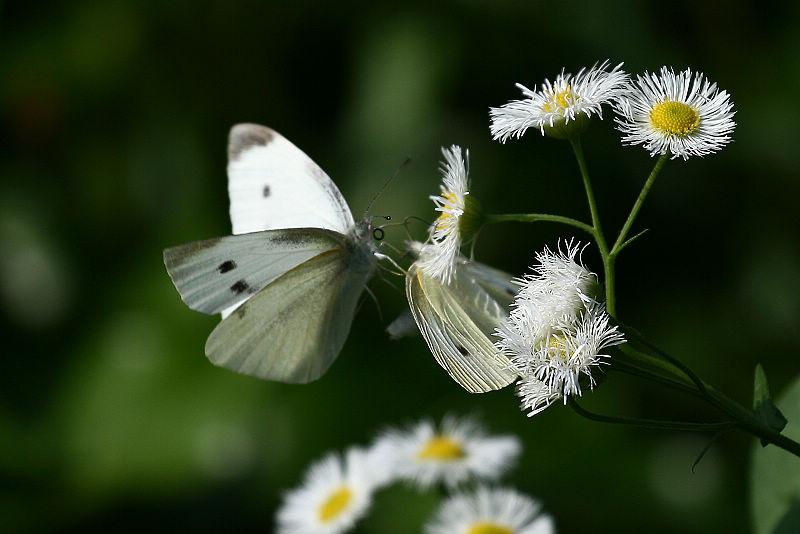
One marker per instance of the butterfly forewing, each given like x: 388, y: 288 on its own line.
x: 217, y: 274
x: 273, y: 184
x: 294, y: 328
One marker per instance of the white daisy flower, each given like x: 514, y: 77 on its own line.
x: 447, y: 232
x: 335, y: 493
x: 551, y: 108
x: 560, y: 284
x: 553, y: 357
x: 490, y: 511
x: 458, y: 451
x: 556, y: 330
x: 536, y: 395
x: 680, y: 114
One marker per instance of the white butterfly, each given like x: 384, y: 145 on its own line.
x: 288, y: 281
x: 458, y: 320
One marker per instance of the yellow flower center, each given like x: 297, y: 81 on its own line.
x: 485, y: 527
x: 560, y: 100
x: 446, y: 219
x: 675, y: 118
x: 335, y: 504
x: 557, y: 348
x: 442, y: 448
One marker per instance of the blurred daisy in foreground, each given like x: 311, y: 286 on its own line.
x: 680, y: 114
x: 335, y: 493
x: 556, y: 331
x: 459, y: 217
x: 490, y: 511
x: 560, y: 108
x: 458, y: 451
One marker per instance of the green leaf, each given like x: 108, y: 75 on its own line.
x: 760, y: 387
x: 775, y: 475
x: 763, y: 406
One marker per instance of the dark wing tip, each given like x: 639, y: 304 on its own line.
x: 246, y: 135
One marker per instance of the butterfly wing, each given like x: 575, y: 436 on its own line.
x: 292, y: 330
x: 273, y: 184
x: 496, y: 282
x: 219, y: 274
x: 456, y: 321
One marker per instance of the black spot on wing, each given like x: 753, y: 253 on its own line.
x: 265, y: 192
x: 240, y: 287
x: 226, y: 266
x: 244, y: 136
x: 463, y: 350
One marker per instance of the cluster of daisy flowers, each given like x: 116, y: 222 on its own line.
x: 337, y: 491
x: 681, y: 114
x: 556, y: 330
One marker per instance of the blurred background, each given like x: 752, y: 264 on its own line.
x: 114, y: 119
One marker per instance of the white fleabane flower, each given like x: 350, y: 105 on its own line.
x: 568, y: 98
x: 456, y: 452
x: 681, y: 114
x: 560, y: 284
x: 536, y: 395
x: 552, y: 358
x: 490, y: 511
x: 335, y: 493
x: 447, y: 232
x: 556, y: 331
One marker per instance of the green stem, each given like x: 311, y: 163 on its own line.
x: 633, y: 362
x: 662, y: 356
x: 683, y: 378
x: 638, y: 204
x: 651, y: 423
x: 539, y: 217
x: 747, y: 420
x: 608, y: 259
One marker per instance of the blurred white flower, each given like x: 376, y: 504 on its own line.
x: 456, y: 452
x: 551, y: 108
x: 335, y: 493
x: 490, y: 511
x: 680, y: 114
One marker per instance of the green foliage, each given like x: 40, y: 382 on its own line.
x: 775, y: 474
x: 763, y: 406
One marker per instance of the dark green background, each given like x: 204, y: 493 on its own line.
x: 114, y: 120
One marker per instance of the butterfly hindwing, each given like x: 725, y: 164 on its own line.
x: 274, y: 184
x: 457, y: 321
x: 293, y: 329
x: 218, y: 274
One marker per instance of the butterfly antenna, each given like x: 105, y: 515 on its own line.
x: 386, y: 184
x: 410, y: 218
